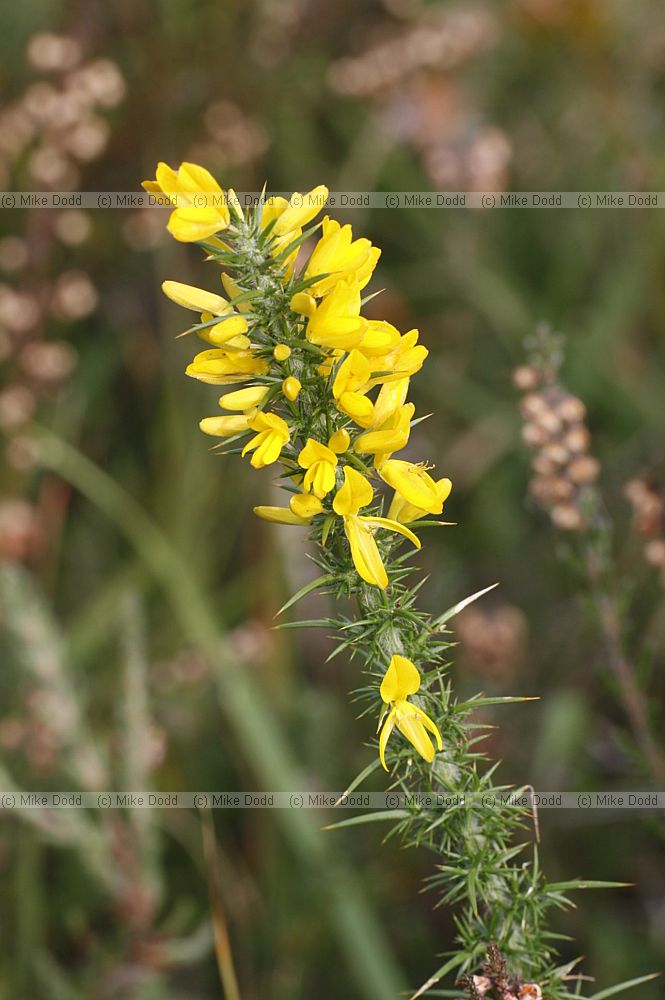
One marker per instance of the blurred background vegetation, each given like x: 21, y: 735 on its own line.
x: 137, y: 592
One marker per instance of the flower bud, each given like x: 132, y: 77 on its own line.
x: 303, y: 303
x: 281, y: 352
x: 291, y: 388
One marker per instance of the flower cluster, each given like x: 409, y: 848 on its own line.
x: 324, y: 390
x: 320, y: 391
x: 564, y: 472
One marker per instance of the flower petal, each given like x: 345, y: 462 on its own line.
x: 365, y: 554
x: 386, y: 522
x: 388, y: 727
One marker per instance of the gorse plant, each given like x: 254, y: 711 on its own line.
x: 324, y: 399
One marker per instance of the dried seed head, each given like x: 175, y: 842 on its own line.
x: 540, y: 489
x: 530, y: 991
x: 532, y: 405
x: 549, y: 421
x: 543, y: 466
x: 534, y: 436
x: 562, y: 489
x: 654, y: 552
x: 578, y: 438
x: 73, y: 226
x: 567, y: 517
x: 17, y: 404
x: 635, y: 490
x: 556, y: 452
x: 571, y: 409
x: 526, y: 377
x: 481, y: 984
x: 584, y: 469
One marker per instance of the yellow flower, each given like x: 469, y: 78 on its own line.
x: 198, y: 299
x: 234, y: 291
x: 390, y: 436
x: 189, y: 223
x: 291, y: 387
x: 288, y: 218
x: 272, y: 434
x: 225, y: 426
x: 223, y: 367
x: 300, y: 210
x: 209, y: 304
x: 401, y: 360
x: 391, y: 396
x: 321, y: 462
x: 302, y: 508
x: 303, y: 303
x: 405, y: 512
x: 412, y: 482
x: 401, y: 680
x: 349, y: 388
x: 281, y: 352
x: 336, y: 322
x: 379, y: 338
x: 243, y: 399
x: 337, y: 255
x: 356, y: 493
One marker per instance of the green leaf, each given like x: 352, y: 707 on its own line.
x: 320, y: 581
x: 365, y: 773
x: 309, y: 623
x: 456, y: 608
x: 375, y: 817
x: 464, y: 706
x: 626, y: 985
x: 583, y: 883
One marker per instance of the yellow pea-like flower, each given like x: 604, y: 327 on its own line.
x: 412, y: 482
x: 337, y: 255
x: 400, y: 681
x: 243, y: 399
x: 281, y: 352
x: 300, y: 209
x: 390, y: 436
x: 320, y: 463
x: 355, y: 494
x: 234, y: 291
x: 291, y: 387
x: 302, y: 508
x: 224, y: 367
x: 340, y: 441
x: 272, y: 433
x: 184, y: 187
x: 225, y: 426
x: 336, y: 322
x: 198, y: 299
x: 303, y: 303
x: 404, y: 512
x: 379, y: 338
x: 402, y: 360
x: 351, y: 384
